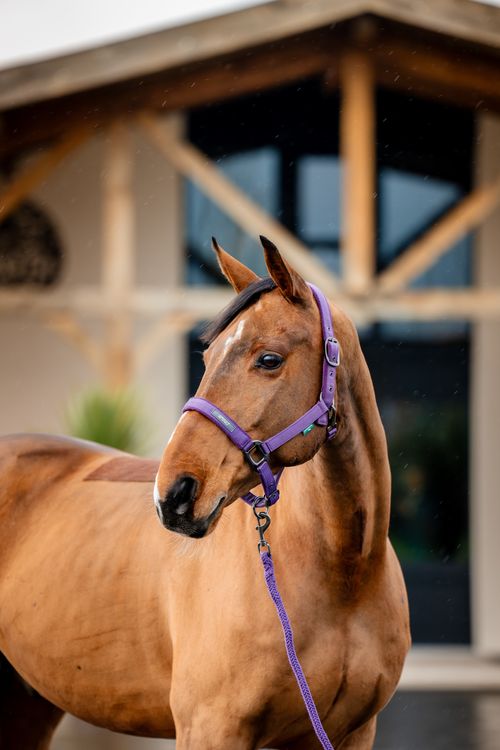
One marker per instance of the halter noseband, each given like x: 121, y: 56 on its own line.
x: 323, y: 413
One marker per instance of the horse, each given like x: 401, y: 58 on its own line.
x: 107, y: 616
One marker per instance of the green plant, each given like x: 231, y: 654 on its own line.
x: 114, y: 418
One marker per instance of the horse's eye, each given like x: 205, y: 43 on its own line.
x: 269, y: 361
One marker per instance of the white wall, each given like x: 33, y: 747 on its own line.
x: 485, y: 417
x: 39, y: 371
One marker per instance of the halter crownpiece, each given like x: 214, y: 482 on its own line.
x: 323, y: 413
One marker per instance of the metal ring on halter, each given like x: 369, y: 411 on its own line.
x: 249, y: 454
x: 263, y: 544
x: 256, y: 503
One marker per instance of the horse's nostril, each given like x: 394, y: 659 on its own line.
x: 181, y: 494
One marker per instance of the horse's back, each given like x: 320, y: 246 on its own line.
x: 28, y: 448
x: 31, y: 463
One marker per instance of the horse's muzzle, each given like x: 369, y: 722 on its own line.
x: 175, y: 511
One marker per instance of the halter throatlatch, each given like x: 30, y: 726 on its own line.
x: 323, y: 413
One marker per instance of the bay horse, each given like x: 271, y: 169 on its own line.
x: 105, y: 615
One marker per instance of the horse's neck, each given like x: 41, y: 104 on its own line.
x: 341, y: 499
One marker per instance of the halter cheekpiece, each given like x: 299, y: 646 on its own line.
x: 323, y: 413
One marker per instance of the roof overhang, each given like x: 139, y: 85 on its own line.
x: 214, y: 37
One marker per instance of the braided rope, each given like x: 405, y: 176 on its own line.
x: 272, y: 587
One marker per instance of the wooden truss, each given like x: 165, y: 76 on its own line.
x: 118, y: 301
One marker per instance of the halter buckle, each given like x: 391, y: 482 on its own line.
x: 255, y: 460
x: 332, y: 351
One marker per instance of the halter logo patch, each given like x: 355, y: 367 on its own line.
x: 223, y: 420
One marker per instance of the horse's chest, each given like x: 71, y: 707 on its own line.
x: 242, y: 666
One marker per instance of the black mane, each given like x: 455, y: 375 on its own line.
x: 247, y: 297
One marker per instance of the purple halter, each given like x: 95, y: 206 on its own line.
x: 257, y: 453
x: 323, y: 413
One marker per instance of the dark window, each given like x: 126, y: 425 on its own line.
x: 282, y: 148
x: 256, y: 172
x: 318, y: 206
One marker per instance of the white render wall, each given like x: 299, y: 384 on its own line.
x: 485, y: 417
x: 39, y: 371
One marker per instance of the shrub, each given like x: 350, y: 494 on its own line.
x: 113, y: 418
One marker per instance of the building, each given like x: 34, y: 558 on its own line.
x: 363, y: 137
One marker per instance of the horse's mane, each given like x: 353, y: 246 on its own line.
x: 247, y: 297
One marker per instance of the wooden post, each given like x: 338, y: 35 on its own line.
x: 357, y: 136
x: 118, y: 238
x: 485, y: 413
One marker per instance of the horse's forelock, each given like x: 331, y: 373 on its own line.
x: 245, y: 299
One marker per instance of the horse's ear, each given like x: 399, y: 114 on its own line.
x: 238, y: 275
x: 290, y: 283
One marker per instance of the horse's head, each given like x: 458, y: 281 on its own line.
x: 263, y: 368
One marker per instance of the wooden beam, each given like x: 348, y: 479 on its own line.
x: 477, y: 22
x: 208, y: 38
x: 118, y: 242
x: 195, y: 166
x: 79, y: 300
x: 145, y: 302
x: 184, y: 306
x: 65, y: 323
x: 436, y: 69
x: 28, y: 179
x: 357, y: 136
x: 167, y: 91
x: 407, y: 60
x: 170, y: 48
x: 425, y: 251
x: 436, y: 304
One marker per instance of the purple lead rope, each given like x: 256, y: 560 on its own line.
x: 272, y: 587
